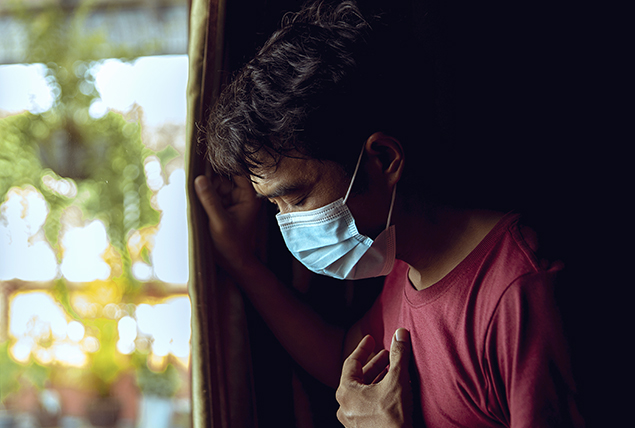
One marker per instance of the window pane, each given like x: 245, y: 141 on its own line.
x: 94, y: 311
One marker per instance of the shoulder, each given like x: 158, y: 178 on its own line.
x: 518, y: 288
x: 509, y: 268
x: 513, y: 250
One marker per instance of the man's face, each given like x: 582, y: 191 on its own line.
x: 300, y: 184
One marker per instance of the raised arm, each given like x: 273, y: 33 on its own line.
x: 232, y: 209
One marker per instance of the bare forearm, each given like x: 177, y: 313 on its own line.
x: 313, y: 343
x: 232, y: 208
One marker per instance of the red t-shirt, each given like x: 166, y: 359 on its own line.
x: 488, y: 345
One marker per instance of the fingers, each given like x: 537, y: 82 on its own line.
x: 383, y: 403
x: 376, y: 368
x: 353, y: 365
x: 358, y: 368
x: 209, y: 197
x: 400, y: 350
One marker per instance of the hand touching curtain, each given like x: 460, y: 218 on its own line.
x: 222, y: 387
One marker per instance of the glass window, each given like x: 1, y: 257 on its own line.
x: 94, y: 311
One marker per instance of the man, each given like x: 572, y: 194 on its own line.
x: 314, y: 125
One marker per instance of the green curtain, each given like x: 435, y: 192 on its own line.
x: 222, y: 385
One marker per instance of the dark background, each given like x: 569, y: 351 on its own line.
x: 527, y: 92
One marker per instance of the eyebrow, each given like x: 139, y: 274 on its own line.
x: 282, y: 190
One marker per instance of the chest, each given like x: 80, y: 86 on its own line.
x: 453, y: 384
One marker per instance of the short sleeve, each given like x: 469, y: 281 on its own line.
x: 528, y: 357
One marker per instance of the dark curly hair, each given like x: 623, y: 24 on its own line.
x: 320, y: 86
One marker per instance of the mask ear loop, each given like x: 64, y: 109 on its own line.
x: 359, y: 161
x: 392, y: 204
x: 350, y: 187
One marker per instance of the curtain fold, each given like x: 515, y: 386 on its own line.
x: 222, y: 384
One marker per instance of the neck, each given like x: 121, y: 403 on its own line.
x: 436, y: 242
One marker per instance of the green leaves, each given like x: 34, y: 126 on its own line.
x: 160, y: 384
x: 107, y: 163
x: 166, y: 155
x: 14, y: 375
x: 19, y: 163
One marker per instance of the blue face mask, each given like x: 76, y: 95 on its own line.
x: 326, y: 240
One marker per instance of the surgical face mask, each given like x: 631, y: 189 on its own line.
x: 326, y: 240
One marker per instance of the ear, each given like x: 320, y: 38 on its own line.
x: 386, y: 154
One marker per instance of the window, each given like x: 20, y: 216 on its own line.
x: 94, y: 311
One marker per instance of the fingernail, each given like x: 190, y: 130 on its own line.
x: 402, y: 335
x: 200, y: 183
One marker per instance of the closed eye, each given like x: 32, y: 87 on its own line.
x: 300, y: 201
x: 289, y: 195
x: 271, y: 201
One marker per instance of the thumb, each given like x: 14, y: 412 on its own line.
x: 400, y: 350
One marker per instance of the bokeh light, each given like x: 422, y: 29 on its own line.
x: 25, y: 87
x: 75, y: 331
x: 41, y: 329
x: 63, y: 187
x: 25, y: 254
x: 70, y: 354
x: 153, y: 172
x: 84, y: 248
x: 127, y: 328
x: 169, y: 256
x: 36, y: 314
x: 123, y: 84
x: 167, y: 325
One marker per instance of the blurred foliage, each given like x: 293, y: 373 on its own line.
x: 57, y: 35
x: 102, y: 157
x: 106, y: 166
x: 15, y: 375
x: 10, y: 373
x: 163, y: 383
x: 105, y: 364
x: 61, y: 295
x: 166, y: 155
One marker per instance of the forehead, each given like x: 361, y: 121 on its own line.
x: 295, y: 172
